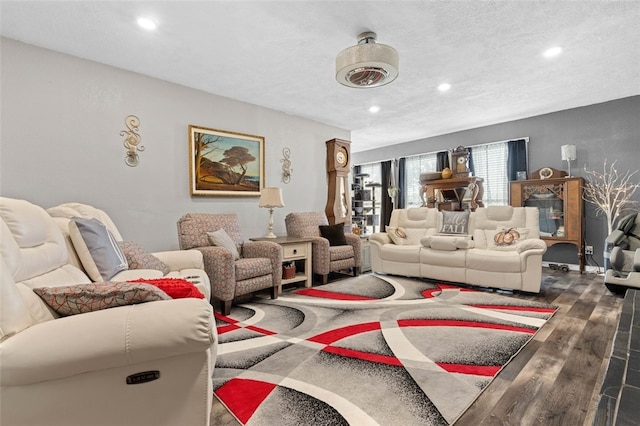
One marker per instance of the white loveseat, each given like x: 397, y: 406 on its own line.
x: 473, y: 257
x: 73, y: 370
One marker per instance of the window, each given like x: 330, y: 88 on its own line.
x: 413, y: 167
x: 489, y: 162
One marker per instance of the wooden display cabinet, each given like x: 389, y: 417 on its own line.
x: 559, y: 201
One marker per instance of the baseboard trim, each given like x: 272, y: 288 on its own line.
x: 572, y: 267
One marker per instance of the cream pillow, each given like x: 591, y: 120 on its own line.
x: 403, y: 236
x: 220, y: 238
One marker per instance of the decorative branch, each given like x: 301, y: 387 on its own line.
x: 610, y: 192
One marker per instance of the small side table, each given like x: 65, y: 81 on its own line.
x: 294, y: 249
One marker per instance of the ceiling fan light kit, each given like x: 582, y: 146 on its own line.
x: 367, y: 64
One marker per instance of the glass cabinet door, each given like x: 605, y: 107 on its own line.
x: 549, y: 199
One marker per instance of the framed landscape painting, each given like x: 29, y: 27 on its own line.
x: 225, y: 164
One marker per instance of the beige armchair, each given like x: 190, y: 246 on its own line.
x: 325, y: 257
x: 252, y: 266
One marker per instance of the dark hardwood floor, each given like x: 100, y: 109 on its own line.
x: 556, y: 378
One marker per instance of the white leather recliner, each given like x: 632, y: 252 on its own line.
x: 144, y: 364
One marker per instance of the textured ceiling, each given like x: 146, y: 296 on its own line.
x: 281, y: 55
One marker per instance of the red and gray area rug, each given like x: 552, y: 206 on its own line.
x: 371, y: 350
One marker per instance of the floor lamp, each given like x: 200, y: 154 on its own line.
x: 271, y: 198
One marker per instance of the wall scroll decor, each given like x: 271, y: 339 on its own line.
x: 286, y: 165
x: 225, y: 163
x: 132, y: 141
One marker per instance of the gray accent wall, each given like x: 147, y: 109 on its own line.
x: 60, y: 142
x: 609, y: 130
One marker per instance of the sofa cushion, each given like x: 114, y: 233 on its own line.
x: 494, y: 260
x: 333, y: 233
x: 220, y: 238
x: 83, y: 298
x: 340, y: 252
x: 404, y: 253
x: 455, y: 222
x: 447, y: 242
x: 97, y: 249
x: 139, y: 258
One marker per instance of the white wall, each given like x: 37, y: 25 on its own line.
x: 60, y: 142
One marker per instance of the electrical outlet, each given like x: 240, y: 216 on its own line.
x: 588, y: 249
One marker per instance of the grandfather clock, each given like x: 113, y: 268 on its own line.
x: 338, y: 209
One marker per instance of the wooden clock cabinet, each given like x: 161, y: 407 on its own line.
x: 559, y: 200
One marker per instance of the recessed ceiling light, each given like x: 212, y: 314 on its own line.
x: 147, y: 23
x: 554, y: 51
x: 444, y: 87
x: 373, y: 109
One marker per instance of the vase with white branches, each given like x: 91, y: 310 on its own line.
x: 611, y: 192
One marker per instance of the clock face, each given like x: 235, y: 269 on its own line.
x: 462, y: 164
x: 341, y: 157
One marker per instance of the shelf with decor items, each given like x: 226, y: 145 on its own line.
x: 559, y: 201
x: 366, y: 208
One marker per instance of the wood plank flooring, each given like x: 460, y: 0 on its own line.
x: 556, y: 378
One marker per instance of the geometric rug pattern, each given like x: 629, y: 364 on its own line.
x: 368, y: 350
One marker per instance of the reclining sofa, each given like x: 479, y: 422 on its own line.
x: 497, y: 247
x: 138, y: 364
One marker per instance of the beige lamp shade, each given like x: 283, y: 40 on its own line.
x: 271, y: 197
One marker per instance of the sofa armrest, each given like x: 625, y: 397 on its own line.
x: 356, y: 242
x: 107, y: 339
x: 380, y: 238
x: 614, y: 238
x: 177, y: 260
x: 533, y: 245
x: 268, y: 249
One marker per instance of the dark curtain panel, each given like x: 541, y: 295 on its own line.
x: 402, y: 183
x: 385, y: 202
x: 442, y: 160
x: 471, y: 168
x: 517, y: 158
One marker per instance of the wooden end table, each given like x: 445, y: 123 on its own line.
x: 294, y: 249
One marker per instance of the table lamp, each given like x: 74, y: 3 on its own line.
x: 568, y: 155
x: 271, y: 198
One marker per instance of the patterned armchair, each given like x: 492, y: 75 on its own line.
x: 258, y: 267
x: 325, y: 258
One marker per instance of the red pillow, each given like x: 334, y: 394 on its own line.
x: 177, y: 288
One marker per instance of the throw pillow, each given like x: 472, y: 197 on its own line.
x: 97, y: 249
x: 176, y: 288
x: 397, y: 235
x: 139, y: 258
x: 411, y: 237
x: 82, y: 298
x: 499, y: 238
x: 220, y: 238
x: 334, y: 233
x: 455, y: 222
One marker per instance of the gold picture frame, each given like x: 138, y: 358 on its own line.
x: 225, y: 164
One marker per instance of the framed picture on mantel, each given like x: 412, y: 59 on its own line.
x: 225, y: 164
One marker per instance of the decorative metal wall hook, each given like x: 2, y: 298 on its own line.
x: 286, y: 165
x: 132, y: 141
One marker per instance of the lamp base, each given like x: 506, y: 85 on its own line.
x: 270, y: 235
